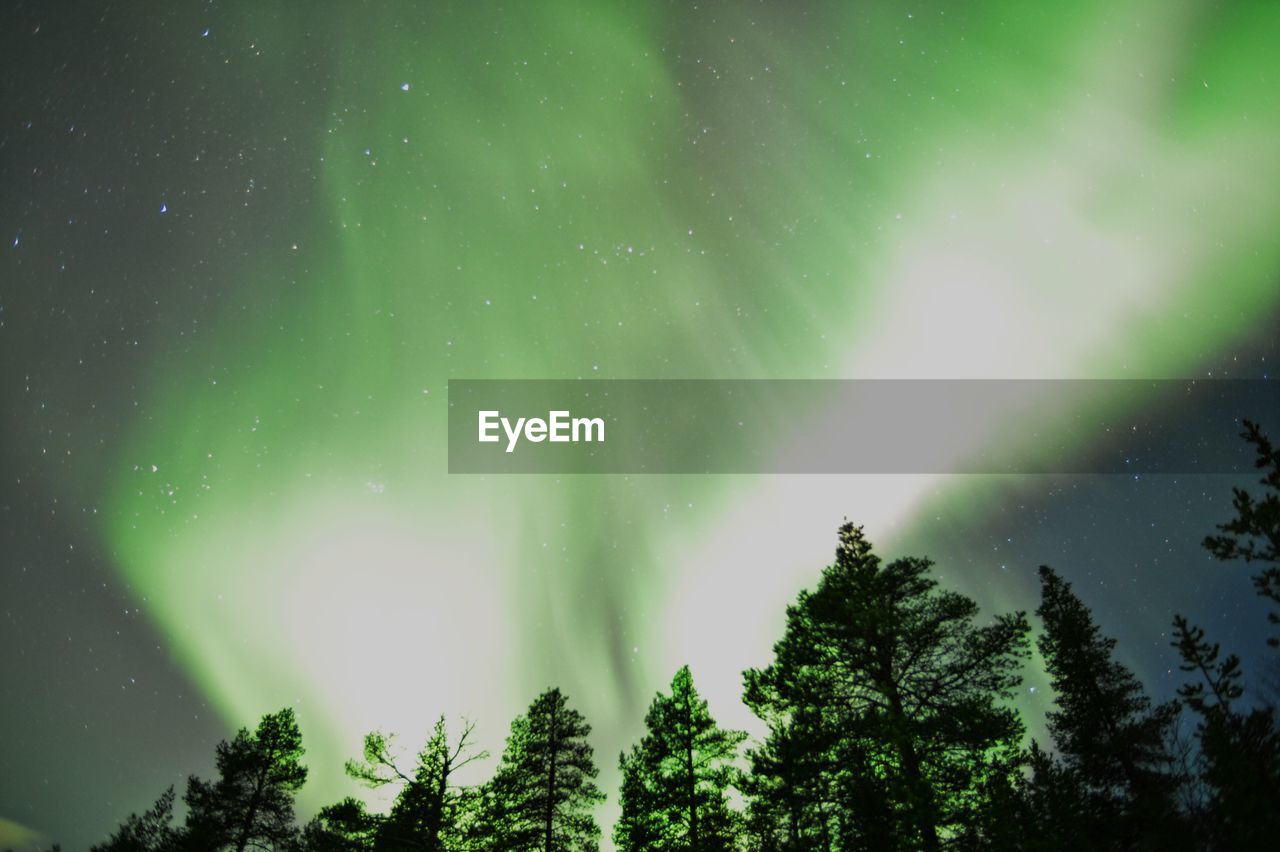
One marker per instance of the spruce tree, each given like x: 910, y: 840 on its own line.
x: 675, y: 782
x: 1112, y: 756
x: 251, y: 803
x: 543, y: 793
x: 903, y: 695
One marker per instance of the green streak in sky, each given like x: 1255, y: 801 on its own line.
x: 572, y: 191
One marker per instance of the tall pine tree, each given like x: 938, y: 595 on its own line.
x: 251, y: 803
x: 675, y: 782
x: 543, y: 795
x: 1113, y: 783
x: 903, y: 695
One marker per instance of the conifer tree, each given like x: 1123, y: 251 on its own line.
x: 1112, y: 756
x: 675, y: 782
x: 1239, y: 749
x: 343, y: 827
x: 904, y: 694
x: 543, y: 793
x: 431, y: 808
x: 251, y: 803
x: 1253, y: 535
x: 1239, y: 755
x: 152, y: 831
x: 791, y: 788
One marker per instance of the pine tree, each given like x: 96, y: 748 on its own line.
x: 675, y: 782
x: 344, y: 827
x: 1113, y: 760
x: 543, y: 793
x: 903, y: 696
x: 152, y: 831
x: 1056, y: 804
x: 1253, y: 535
x: 1239, y: 749
x: 251, y: 803
x: 793, y: 795
x: 431, y: 807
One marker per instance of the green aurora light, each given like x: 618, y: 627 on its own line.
x: 568, y: 191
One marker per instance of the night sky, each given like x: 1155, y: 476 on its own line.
x: 245, y: 248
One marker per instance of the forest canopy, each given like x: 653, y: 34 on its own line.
x: 889, y: 726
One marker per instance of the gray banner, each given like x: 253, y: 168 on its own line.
x: 930, y: 426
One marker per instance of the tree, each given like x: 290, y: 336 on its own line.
x: 1253, y: 535
x: 885, y: 708
x: 251, y: 803
x: 794, y: 786
x: 344, y: 827
x: 543, y: 793
x: 1239, y: 751
x: 1113, y: 764
x: 675, y: 781
x: 431, y: 807
x: 1239, y: 748
x: 153, y: 831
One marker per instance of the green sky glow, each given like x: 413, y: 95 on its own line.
x: 572, y: 191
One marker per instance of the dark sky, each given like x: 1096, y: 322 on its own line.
x: 221, y: 199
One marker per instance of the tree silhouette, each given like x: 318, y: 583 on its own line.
x: 152, y: 831
x: 1239, y: 751
x: 431, y: 808
x: 251, y: 803
x: 885, y: 706
x: 902, y: 694
x: 797, y: 784
x: 675, y: 781
x: 1113, y: 763
x: 1239, y: 755
x: 1254, y: 533
x: 344, y: 827
x: 543, y: 793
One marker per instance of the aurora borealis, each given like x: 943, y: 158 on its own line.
x: 247, y: 247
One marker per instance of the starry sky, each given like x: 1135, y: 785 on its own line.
x: 245, y: 246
